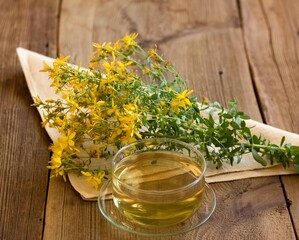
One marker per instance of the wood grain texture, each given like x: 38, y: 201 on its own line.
x: 160, y: 21
x: 292, y: 194
x: 204, y: 39
x: 69, y: 217
x: 271, y: 30
x: 76, y: 29
x: 155, y: 21
x: 271, y: 37
x: 249, y: 209
x: 23, y: 143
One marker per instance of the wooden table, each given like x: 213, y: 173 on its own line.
x: 243, y: 49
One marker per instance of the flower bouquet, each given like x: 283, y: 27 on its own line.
x: 127, y: 94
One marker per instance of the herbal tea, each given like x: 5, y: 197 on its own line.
x: 157, y: 188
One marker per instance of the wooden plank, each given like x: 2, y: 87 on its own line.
x: 292, y: 193
x: 23, y: 143
x: 76, y: 29
x: 248, y: 209
x: 271, y: 29
x: 105, y: 21
x: 69, y: 217
x: 205, y: 41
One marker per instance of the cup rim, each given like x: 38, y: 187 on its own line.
x: 163, y: 192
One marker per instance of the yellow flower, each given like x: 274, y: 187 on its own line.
x: 67, y: 140
x: 37, y: 101
x: 95, y: 180
x: 57, y: 149
x: 46, y: 68
x: 122, y: 66
x: 127, y: 123
x: 131, y: 107
x: 55, y: 161
x: 162, y: 104
x: 149, y: 145
x: 129, y: 40
x: 181, y: 100
x: 61, y: 60
x: 108, y: 66
x: 113, y: 109
x: 68, y: 96
x: 96, y: 45
x: 137, y: 134
x: 126, y: 140
x: 146, y: 70
x: 98, y: 149
x: 152, y: 53
x: 107, y: 80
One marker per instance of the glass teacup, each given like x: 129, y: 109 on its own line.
x: 158, y: 181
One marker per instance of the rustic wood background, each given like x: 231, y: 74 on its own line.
x: 243, y: 49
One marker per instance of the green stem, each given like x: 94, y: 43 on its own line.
x: 265, y: 147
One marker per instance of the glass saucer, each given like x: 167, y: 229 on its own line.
x: 113, y: 215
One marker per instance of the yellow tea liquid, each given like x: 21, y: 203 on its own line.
x: 157, y: 188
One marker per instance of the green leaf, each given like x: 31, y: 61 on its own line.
x: 282, y: 140
x: 247, y: 131
x: 257, y: 157
x: 294, y: 150
x: 234, y: 151
x: 232, y: 103
x: 255, y: 139
x: 243, y: 124
x: 234, y: 125
x: 245, y: 117
x: 211, y: 121
x: 227, y: 116
x: 218, y: 165
x: 195, y: 107
x: 225, y: 125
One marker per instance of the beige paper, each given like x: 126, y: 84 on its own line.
x: 39, y: 85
